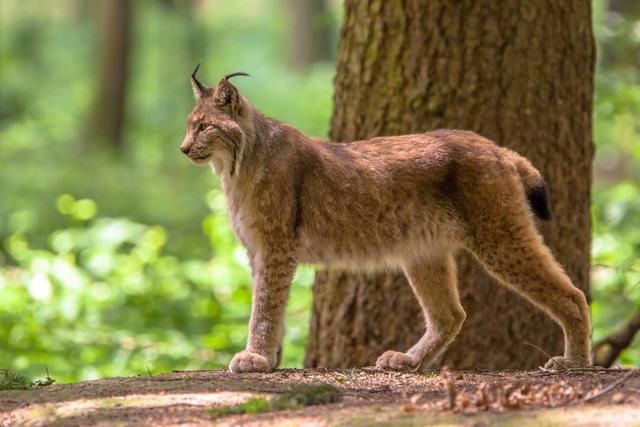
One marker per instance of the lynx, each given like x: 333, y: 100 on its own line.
x: 390, y: 203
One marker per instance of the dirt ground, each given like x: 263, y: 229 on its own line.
x: 367, y: 397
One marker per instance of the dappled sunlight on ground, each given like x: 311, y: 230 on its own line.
x: 366, y: 397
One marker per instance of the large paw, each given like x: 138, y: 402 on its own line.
x: 247, y: 361
x: 560, y: 363
x: 397, y: 361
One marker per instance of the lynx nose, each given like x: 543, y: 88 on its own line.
x: 185, y: 148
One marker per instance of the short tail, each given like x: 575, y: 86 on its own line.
x: 539, y: 201
x: 536, y: 188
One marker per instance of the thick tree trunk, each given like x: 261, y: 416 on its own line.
x: 105, y: 125
x: 518, y: 72
x: 311, y: 38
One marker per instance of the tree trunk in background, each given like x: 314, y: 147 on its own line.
x: 108, y: 110
x: 518, y: 72
x: 619, y: 48
x: 624, y: 6
x: 311, y: 37
x: 197, y: 41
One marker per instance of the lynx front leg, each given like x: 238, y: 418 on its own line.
x: 271, y: 282
x: 433, y: 281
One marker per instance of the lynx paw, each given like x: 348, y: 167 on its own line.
x: 397, y: 361
x: 246, y: 361
x: 560, y: 363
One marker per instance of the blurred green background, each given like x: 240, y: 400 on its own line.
x: 116, y: 255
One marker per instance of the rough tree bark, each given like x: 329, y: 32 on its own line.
x: 107, y: 118
x: 518, y: 72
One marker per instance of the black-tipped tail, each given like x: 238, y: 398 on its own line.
x: 539, y: 201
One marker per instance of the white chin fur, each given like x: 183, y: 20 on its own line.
x: 217, y: 165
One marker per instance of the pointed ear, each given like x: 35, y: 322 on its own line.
x: 199, y: 89
x: 226, y: 95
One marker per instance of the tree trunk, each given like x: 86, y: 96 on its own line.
x: 108, y: 110
x: 625, y: 7
x: 311, y: 37
x: 517, y: 72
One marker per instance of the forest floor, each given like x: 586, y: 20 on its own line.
x: 335, y: 397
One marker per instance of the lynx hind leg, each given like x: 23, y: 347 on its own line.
x: 513, y: 251
x: 433, y: 281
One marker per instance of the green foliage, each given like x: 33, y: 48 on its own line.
x: 48, y: 84
x: 616, y: 199
x: 86, y: 285
x: 105, y: 290
x: 616, y: 261
x: 10, y: 380
x: 296, y: 397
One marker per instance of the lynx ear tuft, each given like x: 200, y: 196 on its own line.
x: 199, y: 89
x: 237, y: 73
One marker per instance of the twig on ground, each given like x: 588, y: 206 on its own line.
x: 493, y: 374
x: 452, y: 393
x: 604, y: 391
x: 450, y: 387
x: 546, y: 354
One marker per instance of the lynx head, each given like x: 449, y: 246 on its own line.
x: 217, y: 125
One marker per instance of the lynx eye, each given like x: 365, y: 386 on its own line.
x: 202, y: 127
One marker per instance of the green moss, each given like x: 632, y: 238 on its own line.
x: 294, y: 398
x: 254, y: 405
x: 10, y: 380
x: 309, y: 394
